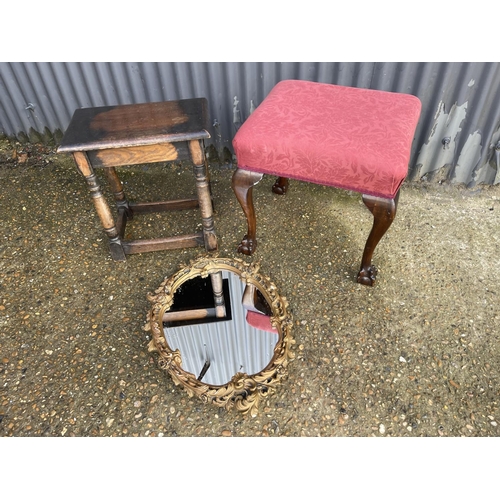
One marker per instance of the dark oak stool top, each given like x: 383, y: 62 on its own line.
x: 136, y: 125
x: 113, y: 136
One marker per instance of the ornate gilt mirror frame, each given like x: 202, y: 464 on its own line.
x: 243, y: 392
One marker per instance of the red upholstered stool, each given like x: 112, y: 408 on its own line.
x: 350, y: 138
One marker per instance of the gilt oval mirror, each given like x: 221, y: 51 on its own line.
x: 222, y: 331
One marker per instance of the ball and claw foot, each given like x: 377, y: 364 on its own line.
x: 280, y: 186
x: 366, y: 276
x: 279, y: 189
x: 247, y: 246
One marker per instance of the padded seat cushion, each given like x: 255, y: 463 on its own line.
x: 350, y: 138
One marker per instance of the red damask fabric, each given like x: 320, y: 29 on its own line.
x: 260, y: 321
x: 350, y: 138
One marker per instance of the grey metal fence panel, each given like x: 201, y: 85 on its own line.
x: 457, y: 138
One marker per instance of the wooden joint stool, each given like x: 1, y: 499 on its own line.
x: 349, y: 138
x: 112, y: 136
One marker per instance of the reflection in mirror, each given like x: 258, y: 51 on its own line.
x: 199, y: 301
x: 222, y: 331
x: 221, y: 347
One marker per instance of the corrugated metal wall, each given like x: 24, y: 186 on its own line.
x: 458, y: 137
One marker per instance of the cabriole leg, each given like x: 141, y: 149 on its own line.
x: 242, y: 183
x: 384, y: 211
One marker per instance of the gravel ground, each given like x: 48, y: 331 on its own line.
x: 416, y: 355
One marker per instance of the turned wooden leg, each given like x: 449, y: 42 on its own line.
x: 102, y: 207
x: 280, y: 186
x: 117, y: 189
x: 242, y: 183
x: 203, y: 189
x: 384, y: 211
x: 217, y: 287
